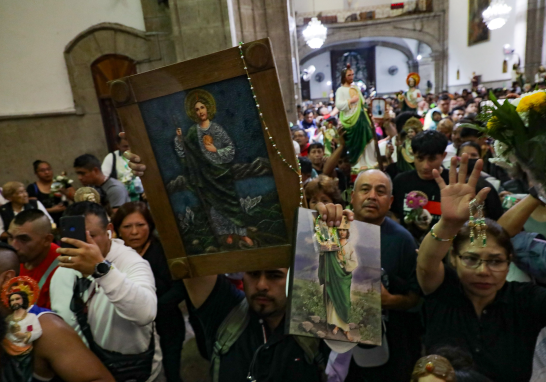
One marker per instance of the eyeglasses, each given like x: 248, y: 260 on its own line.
x: 494, y: 265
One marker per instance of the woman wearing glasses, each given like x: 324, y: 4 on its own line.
x: 468, y: 303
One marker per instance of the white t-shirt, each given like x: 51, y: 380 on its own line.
x: 123, y: 307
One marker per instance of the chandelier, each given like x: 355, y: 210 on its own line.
x: 496, y: 14
x: 315, y: 33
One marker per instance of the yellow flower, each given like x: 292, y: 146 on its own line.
x: 534, y: 101
x: 493, y: 123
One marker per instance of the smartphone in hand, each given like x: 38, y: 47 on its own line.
x: 73, y: 227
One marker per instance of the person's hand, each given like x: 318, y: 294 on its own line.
x: 210, y: 147
x: 504, y: 194
x: 386, y: 296
x: 456, y: 197
x: 354, y: 99
x: 134, y: 161
x: 389, y: 149
x: 341, y: 136
x: 83, y: 258
x: 20, y: 335
x: 332, y: 213
x: 58, y: 208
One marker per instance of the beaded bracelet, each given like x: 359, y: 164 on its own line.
x: 439, y: 239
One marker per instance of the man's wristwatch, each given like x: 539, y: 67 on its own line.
x: 102, y: 269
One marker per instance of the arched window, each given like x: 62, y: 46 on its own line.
x: 104, y: 69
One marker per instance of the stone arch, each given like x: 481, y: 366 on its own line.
x: 428, y: 28
x: 411, y: 59
x: 91, y: 44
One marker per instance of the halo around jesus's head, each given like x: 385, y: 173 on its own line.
x: 415, y: 77
x: 203, y: 96
x: 21, y: 284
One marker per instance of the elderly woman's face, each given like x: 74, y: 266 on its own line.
x: 20, y: 196
x: 201, y: 111
x: 134, y: 230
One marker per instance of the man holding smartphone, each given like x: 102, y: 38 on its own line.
x: 113, y: 297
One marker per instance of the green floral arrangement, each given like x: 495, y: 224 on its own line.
x: 519, y: 127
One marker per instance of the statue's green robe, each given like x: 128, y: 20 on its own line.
x: 337, y: 284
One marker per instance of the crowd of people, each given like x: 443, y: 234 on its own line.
x: 109, y: 309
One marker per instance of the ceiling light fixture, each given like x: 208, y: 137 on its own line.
x: 315, y: 33
x: 496, y: 14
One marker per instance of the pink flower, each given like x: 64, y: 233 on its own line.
x: 416, y: 199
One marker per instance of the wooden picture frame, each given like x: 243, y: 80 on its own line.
x: 154, y: 104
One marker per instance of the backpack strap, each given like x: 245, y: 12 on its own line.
x: 229, y: 331
x: 114, y: 172
x: 313, y: 355
x: 49, y: 270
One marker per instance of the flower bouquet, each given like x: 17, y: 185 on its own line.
x: 520, y: 127
x: 61, y: 182
x: 416, y: 200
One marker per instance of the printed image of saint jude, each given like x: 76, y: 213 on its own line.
x: 335, y: 275
x: 224, y: 219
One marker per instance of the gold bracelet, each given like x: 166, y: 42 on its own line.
x: 440, y: 239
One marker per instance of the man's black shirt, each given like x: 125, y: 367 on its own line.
x: 398, y: 259
x: 281, y: 359
x: 409, y: 181
x: 501, y: 341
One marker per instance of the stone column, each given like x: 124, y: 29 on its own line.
x: 201, y: 27
x: 535, y: 37
x: 157, y: 19
x: 256, y: 19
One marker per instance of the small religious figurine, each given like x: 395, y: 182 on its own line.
x: 475, y: 81
x: 336, y: 274
x: 540, y: 76
x: 87, y: 194
x: 411, y: 98
x: 359, y: 139
x: 325, y: 236
x: 23, y: 328
x: 433, y: 368
x: 412, y: 127
x: 518, y: 75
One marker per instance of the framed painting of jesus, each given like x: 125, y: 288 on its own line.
x: 222, y: 177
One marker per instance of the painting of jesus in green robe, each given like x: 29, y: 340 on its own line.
x: 207, y: 152
x: 335, y: 275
